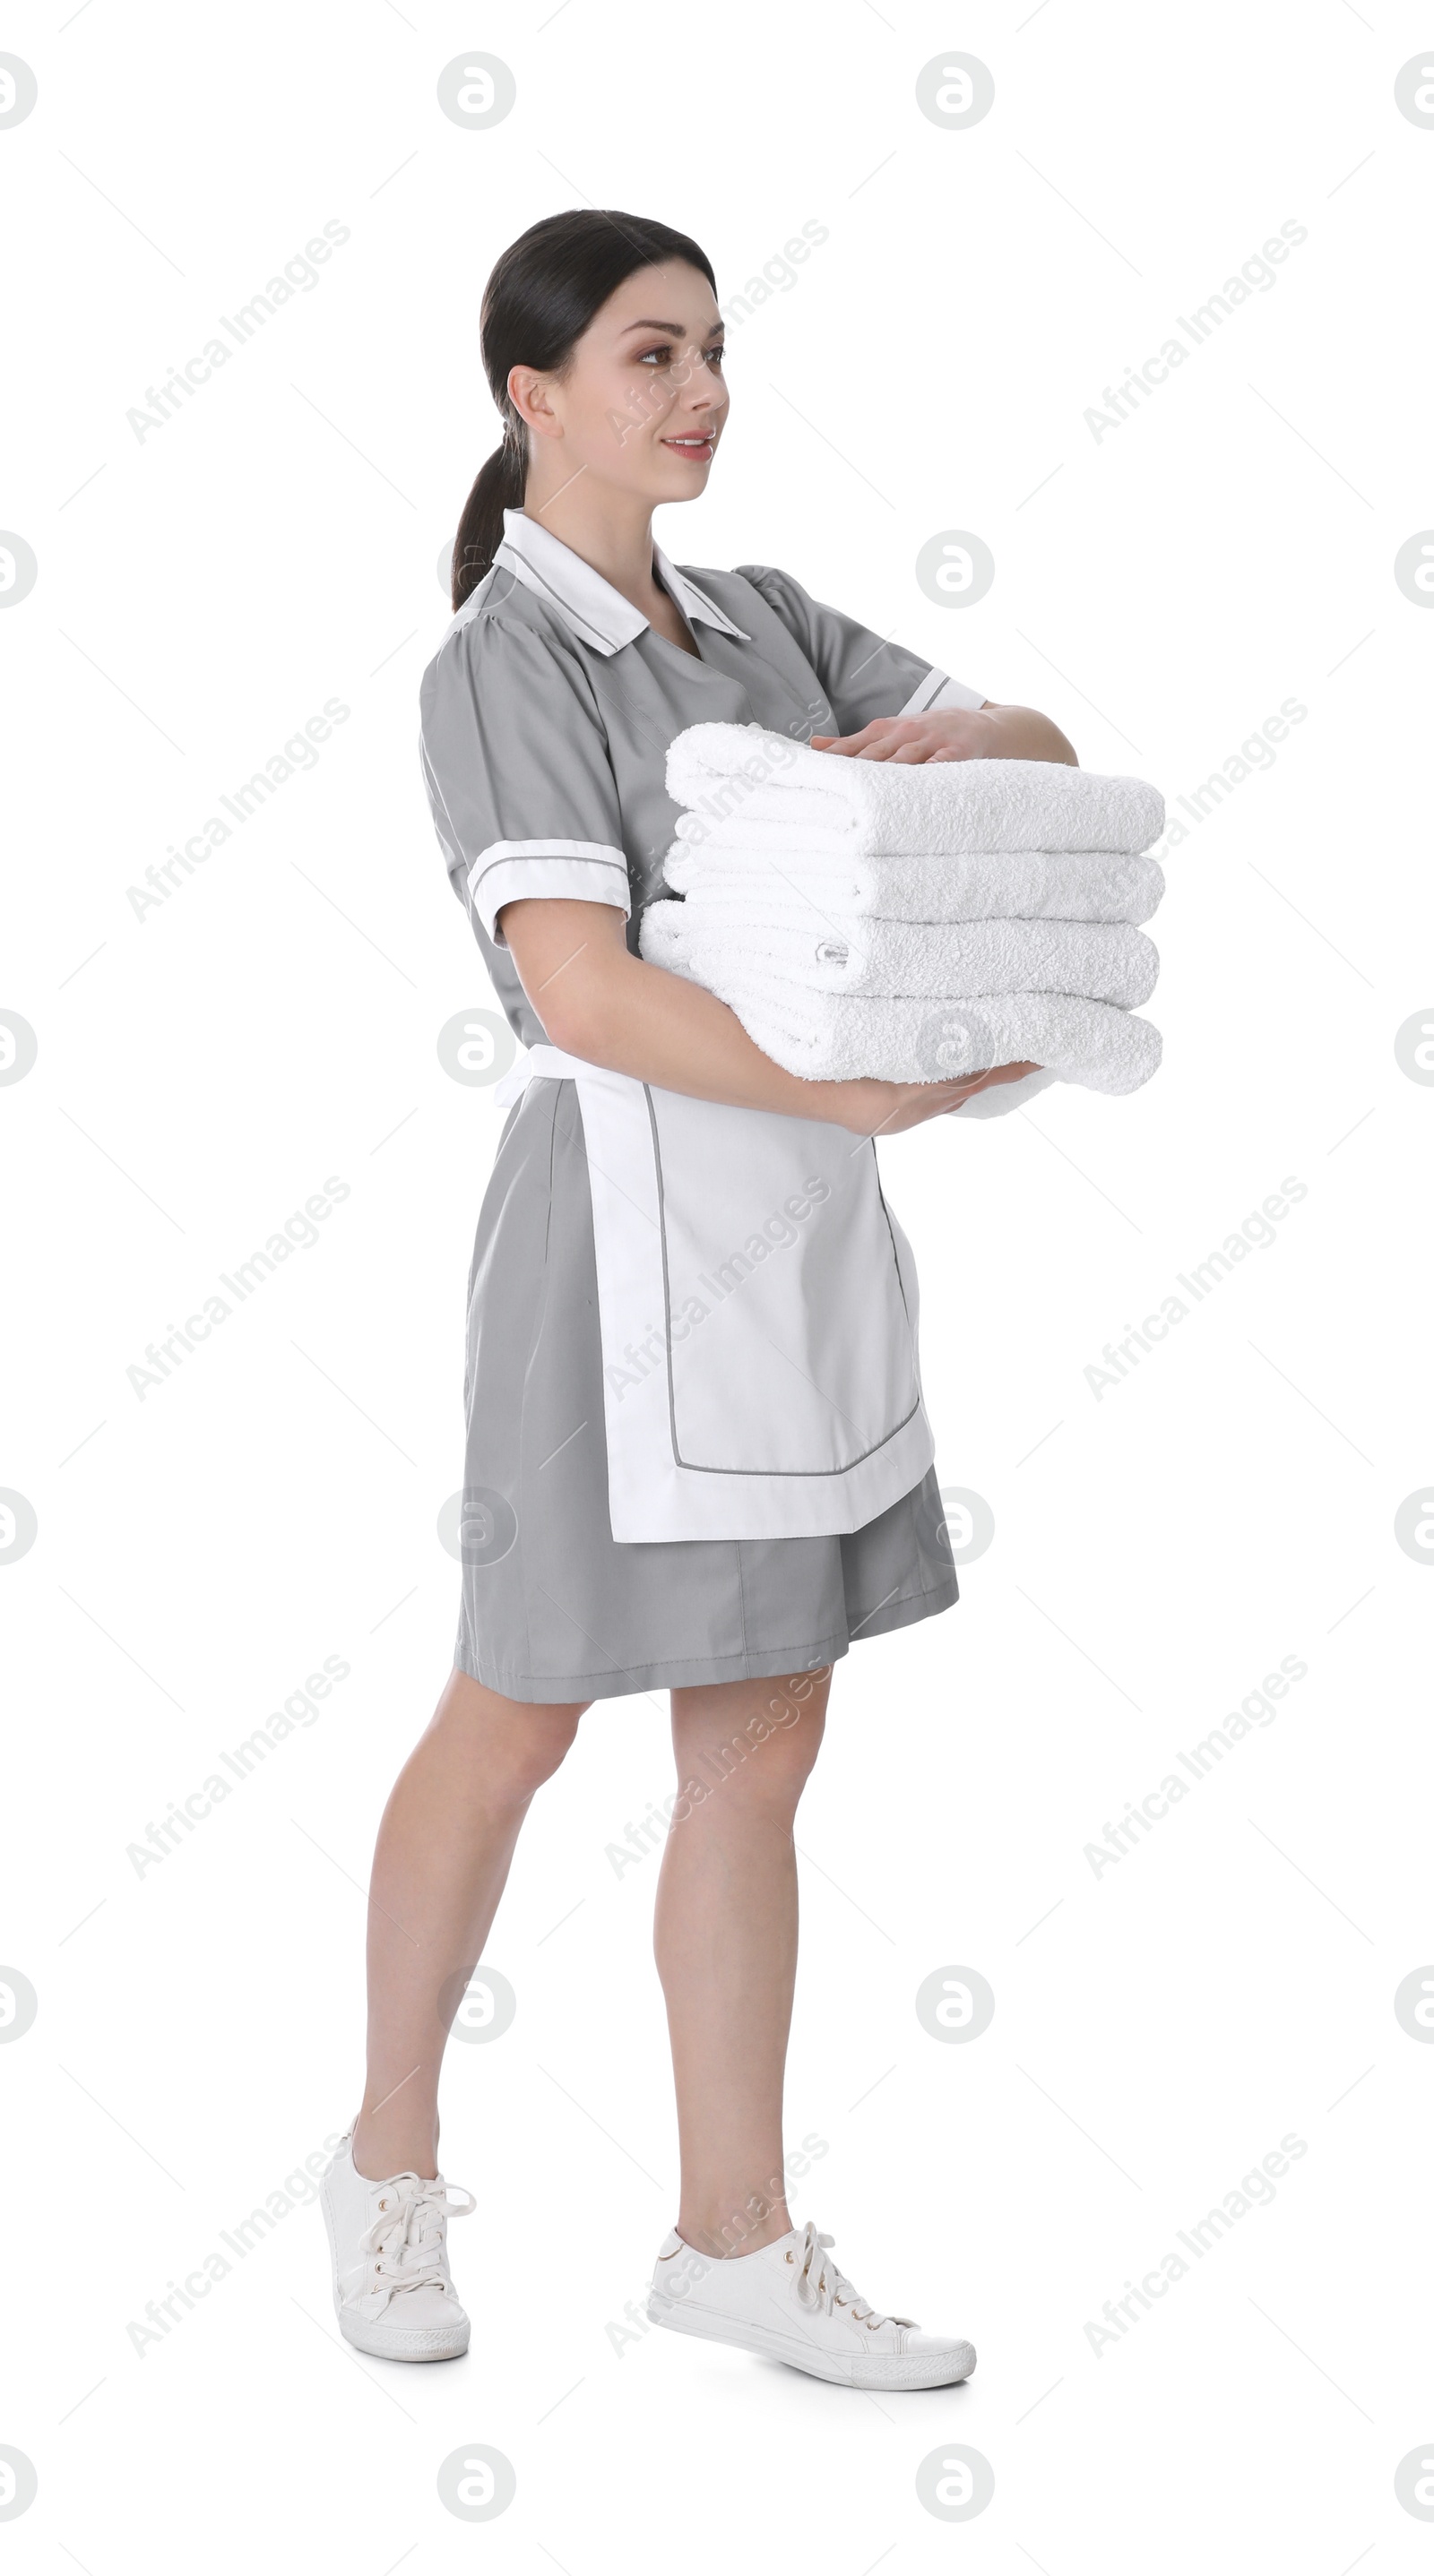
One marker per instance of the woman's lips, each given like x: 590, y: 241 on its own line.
x: 698, y: 451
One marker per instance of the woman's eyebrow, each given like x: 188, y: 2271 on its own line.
x: 675, y: 328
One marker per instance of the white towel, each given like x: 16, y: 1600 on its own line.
x: 1104, y: 961
x: 844, y: 1037
x: 982, y: 885
x: 931, y: 809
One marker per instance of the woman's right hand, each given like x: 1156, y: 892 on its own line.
x: 884, y: 1108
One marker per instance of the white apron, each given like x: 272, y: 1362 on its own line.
x: 758, y: 1312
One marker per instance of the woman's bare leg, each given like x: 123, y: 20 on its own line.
x: 444, y: 1847
x: 725, y: 1936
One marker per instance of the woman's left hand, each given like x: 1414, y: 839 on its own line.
x: 954, y: 733
x: 948, y: 733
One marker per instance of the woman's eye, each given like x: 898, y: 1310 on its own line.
x: 664, y: 357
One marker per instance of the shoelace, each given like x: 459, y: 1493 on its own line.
x: 820, y: 2284
x: 406, y: 2238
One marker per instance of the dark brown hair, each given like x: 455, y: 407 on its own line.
x: 542, y: 294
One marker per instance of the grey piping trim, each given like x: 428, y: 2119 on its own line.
x: 512, y: 558
x: 534, y: 580
x: 924, y: 692
x: 707, y: 609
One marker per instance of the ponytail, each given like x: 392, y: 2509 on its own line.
x: 544, y: 291
x: 499, y: 487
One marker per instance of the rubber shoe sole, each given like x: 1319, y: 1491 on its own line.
x: 884, y: 2370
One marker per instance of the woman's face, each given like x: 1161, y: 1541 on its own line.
x: 643, y: 401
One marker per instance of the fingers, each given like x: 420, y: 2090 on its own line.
x: 988, y: 1081
x: 888, y: 1108
x: 894, y: 1106
x: 910, y: 743
x: 949, y: 735
x: 874, y: 741
x: 939, y: 1099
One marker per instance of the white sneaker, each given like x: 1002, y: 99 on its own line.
x: 393, y: 2293
x: 789, y: 2301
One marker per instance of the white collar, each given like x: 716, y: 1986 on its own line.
x: 596, y: 612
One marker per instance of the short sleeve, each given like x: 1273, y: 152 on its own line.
x: 515, y: 761
x: 862, y: 676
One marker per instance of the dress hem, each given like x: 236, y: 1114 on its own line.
x: 543, y: 1690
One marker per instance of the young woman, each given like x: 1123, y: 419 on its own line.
x: 709, y: 1490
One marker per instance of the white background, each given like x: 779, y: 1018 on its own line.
x: 203, y: 1069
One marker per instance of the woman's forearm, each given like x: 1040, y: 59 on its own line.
x: 599, y: 1002
x: 675, y: 1034
x: 659, y: 1028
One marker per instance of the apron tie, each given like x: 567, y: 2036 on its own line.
x: 543, y: 1060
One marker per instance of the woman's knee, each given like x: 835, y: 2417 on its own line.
x: 520, y: 1744
x: 535, y: 1749
x: 787, y: 1754
x: 767, y: 1734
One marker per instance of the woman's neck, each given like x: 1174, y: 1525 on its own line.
x: 612, y: 531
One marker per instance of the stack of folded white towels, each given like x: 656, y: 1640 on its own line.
x: 914, y: 921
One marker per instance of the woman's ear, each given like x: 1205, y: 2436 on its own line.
x: 528, y: 391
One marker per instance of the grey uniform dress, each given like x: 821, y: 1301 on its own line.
x: 546, y: 716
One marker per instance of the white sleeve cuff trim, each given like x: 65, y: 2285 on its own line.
x: 576, y: 871
x: 937, y: 691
